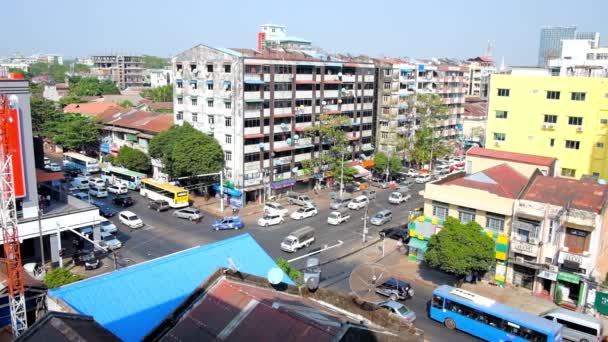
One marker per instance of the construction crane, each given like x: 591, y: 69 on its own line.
x: 8, y: 221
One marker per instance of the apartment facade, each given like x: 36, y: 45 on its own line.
x: 478, y: 76
x: 553, y: 116
x: 257, y: 105
x: 558, y: 239
x: 581, y: 58
x: 125, y: 70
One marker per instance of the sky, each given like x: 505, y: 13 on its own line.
x: 391, y: 28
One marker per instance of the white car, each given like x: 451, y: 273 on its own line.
x: 275, y: 208
x: 94, y: 181
x: 118, y: 189
x: 108, y: 227
x: 98, y: 191
x: 412, y: 173
x: 270, y: 220
x: 110, y: 241
x: 54, y: 167
x: 421, y: 179
x: 304, y: 212
x: 130, y: 220
x: 358, y: 202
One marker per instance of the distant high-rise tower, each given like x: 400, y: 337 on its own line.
x: 551, y: 42
x: 594, y: 37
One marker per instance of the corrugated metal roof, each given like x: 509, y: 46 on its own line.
x: 130, y: 302
x: 510, y: 156
x: 561, y: 191
x: 501, y: 180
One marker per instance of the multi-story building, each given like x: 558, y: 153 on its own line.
x: 125, y: 70
x: 474, y: 121
x: 594, y: 37
x: 257, y: 105
x: 555, y: 116
x: 275, y: 36
x: 558, y: 238
x: 478, y: 77
x: 580, y: 58
x: 159, y: 77
x: 550, y: 42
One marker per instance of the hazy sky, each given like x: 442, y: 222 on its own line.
x: 377, y: 28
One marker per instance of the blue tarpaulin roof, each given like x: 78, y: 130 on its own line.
x: 230, y: 192
x: 132, y: 301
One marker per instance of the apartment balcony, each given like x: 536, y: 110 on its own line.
x: 348, y: 107
x: 369, y: 92
x: 330, y: 93
x: 524, y: 246
x: 282, y: 146
x: 332, y: 78
x: 304, y: 77
x: 368, y: 78
x: 330, y: 108
x: 348, y: 78
x: 252, y: 113
x: 286, y: 110
x: 254, y: 181
x: 302, y: 156
x: 353, y: 136
x: 367, y: 119
x: 252, y: 95
x: 282, y: 128
x: 281, y: 161
x: 283, y: 78
x: 304, y: 94
x: 251, y: 77
x: 582, y: 259
x: 251, y: 130
x: 278, y: 95
x: 256, y: 147
x: 368, y: 106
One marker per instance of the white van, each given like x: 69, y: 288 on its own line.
x: 80, y: 183
x: 576, y: 326
x: 98, y: 191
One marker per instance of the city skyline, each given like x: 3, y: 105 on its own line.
x: 455, y: 31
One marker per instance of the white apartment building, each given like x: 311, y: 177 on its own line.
x: 257, y: 105
x: 125, y: 70
x: 581, y: 58
x: 159, y: 77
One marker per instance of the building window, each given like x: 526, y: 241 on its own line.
x: 180, y: 85
x: 504, y: 92
x: 575, y: 120
x: 573, y: 144
x: 228, y: 105
x: 386, y: 99
x: 210, y: 103
x: 227, y: 68
x: 552, y: 142
x: 501, y: 114
x: 599, y: 145
x: 500, y: 136
x: 495, y: 222
x: 179, y: 116
x: 384, y: 135
x: 194, y: 101
x: 550, y: 118
x: 194, y: 85
x: 466, y: 215
x: 194, y: 117
x: 209, y: 86
x: 440, y: 210
x: 227, y: 155
x: 228, y: 172
x: 209, y: 67
x: 552, y: 95
x: 180, y: 100
x: 387, y: 72
x: 387, y: 85
x: 568, y: 172
x: 604, y: 121
x: 228, y: 139
x: 211, y: 120
x: 228, y: 122
x: 578, y: 96
x: 576, y: 240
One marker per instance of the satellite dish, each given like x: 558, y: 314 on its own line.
x: 364, y: 279
x: 275, y: 276
x: 232, y: 265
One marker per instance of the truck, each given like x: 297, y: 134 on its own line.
x: 297, y: 239
x: 338, y: 216
x: 299, y: 199
x: 398, y: 197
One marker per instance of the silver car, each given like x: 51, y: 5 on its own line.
x: 401, y: 311
x: 381, y: 217
x: 188, y: 213
x: 338, y: 203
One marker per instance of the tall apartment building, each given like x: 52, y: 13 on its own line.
x: 580, y: 58
x: 478, y: 76
x: 555, y: 116
x: 397, y: 80
x: 125, y: 70
x: 257, y: 104
x: 550, y: 42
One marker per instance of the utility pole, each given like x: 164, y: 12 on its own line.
x: 41, y: 236
x: 221, y: 191
x: 59, y: 245
x: 342, y: 177
x: 365, y: 224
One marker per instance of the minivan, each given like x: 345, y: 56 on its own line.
x: 576, y: 326
x: 340, y: 202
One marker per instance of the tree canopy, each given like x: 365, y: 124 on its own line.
x: 132, y: 159
x: 73, y: 131
x: 91, y: 86
x: 383, y: 162
x: 425, y: 145
x: 55, y: 71
x: 158, y: 94
x: 154, y: 62
x: 460, y: 249
x: 186, y: 151
x: 43, y: 112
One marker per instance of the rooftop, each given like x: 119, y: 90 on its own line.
x: 561, y: 191
x: 501, y: 180
x: 148, y: 122
x: 91, y: 108
x: 475, y: 107
x: 156, y: 288
x: 60, y: 327
x: 511, y: 156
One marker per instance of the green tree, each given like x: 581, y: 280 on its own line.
x: 158, y: 94
x: 73, y: 131
x: 91, y: 86
x: 460, y: 249
x: 60, y: 276
x: 43, y: 111
x: 153, y: 62
x: 132, y: 159
x: 380, y: 162
x: 17, y: 71
x: 186, y: 151
x: 426, y: 145
x: 126, y: 104
x: 394, y: 164
x: 291, y: 271
x: 64, y: 101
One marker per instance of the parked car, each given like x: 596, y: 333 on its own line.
x: 130, y: 220
x: 304, y: 212
x: 159, y: 205
x: 123, y: 201
x: 81, y: 183
x: 98, y: 191
x: 396, y: 233
x: 275, y: 208
x: 358, y: 202
x: 297, y: 239
x: 118, y: 189
x: 87, y: 259
x: 421, y: 179
x: 83, y: 196
x: 381, y: 217
x: 96, y: 181
x: 395, y: 289
x: 191, y: 214
x: 370, y: 194
x: 379, y: 182
x: 299, y: 199
x: 108, y: 227
x: 340, y: 202
x: 232, y: 222
x: 399, y: 310
x: 350, y: 188
x: 109, y: 241
x: 53, y: 167
x: 105, y: 210
x: 406, y: 183
x: 413, y: 173
x: 270, y: 220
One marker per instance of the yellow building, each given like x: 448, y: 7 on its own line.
x: 563, y: 117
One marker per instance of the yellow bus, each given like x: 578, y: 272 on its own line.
x: 176, y: 197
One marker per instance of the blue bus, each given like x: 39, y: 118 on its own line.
x: 485, y: 318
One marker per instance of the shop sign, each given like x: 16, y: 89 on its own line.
x: 569, y: 277
x: 104, y: 148
x: 601, y: 302
x: 547, y: 275
x: 236, y: 202
x: 524, y: 247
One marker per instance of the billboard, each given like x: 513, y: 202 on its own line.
x: 13, y: 136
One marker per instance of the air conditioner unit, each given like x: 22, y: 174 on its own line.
x: 496, y: 143
x: 579, y: 128
x: 532, y: 241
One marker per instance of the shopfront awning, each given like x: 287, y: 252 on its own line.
x: 569, y: 277
x: 421, y: 245
x: 228, y: 191
x: 361, y: 171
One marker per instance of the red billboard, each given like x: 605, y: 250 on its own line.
x: 261, y: 39
x: 13, y: 136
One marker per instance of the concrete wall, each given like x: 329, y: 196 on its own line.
x: 479, y: 164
